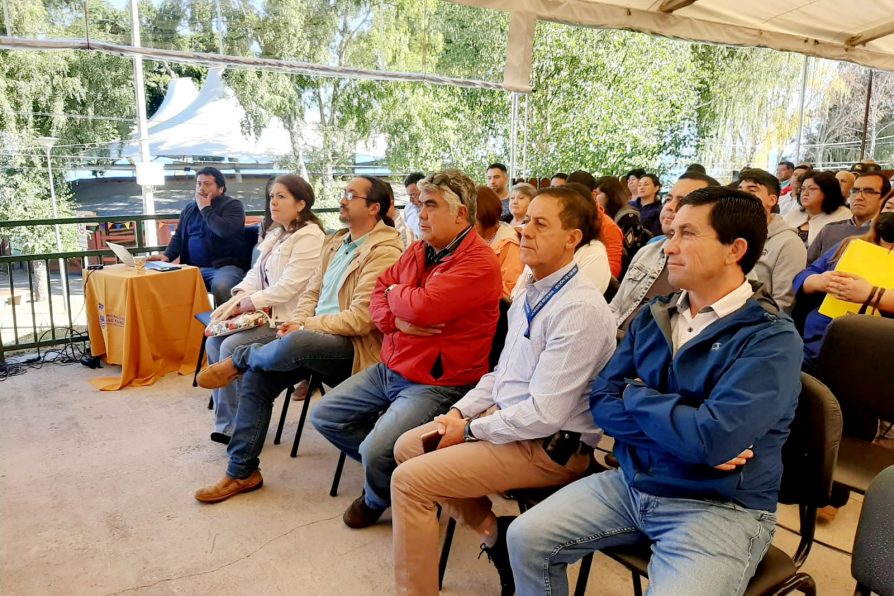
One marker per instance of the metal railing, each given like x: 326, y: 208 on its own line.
x: 28, y: 318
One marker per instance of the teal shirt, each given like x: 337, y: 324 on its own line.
x: 334, y: 276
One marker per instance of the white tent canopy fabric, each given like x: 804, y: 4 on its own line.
x: 860, y: 31
x: 181, y: 92
x: 210, y: 126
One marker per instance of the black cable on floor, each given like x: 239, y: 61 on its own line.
x: 76, y: 348
x: 816, y: 540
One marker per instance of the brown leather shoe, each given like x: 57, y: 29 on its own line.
x: 228, y: 487
x: 219, y: 374
x: 360, y: 515
x: 300, y: 393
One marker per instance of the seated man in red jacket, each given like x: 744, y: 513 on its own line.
x: 437, y: 309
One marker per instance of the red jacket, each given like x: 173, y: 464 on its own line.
x: 462, y: 292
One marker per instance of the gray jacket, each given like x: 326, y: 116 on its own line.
x: 783, y: 258
x: 644, y: 269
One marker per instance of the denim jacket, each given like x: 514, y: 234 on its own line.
x: 644, y: 269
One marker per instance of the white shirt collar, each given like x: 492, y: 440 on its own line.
x: 723, y: 307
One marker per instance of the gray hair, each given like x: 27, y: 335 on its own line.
x: 525, y: 189
x: 455, y: 187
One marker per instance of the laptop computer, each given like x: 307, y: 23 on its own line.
x: 124, y: 255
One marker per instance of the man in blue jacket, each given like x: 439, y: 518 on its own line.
x: 698, y: 397
x: 210, y: 235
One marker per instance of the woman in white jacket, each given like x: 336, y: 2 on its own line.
x: 290, y: 251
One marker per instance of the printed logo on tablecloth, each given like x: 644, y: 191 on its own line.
x: 102, y: 315
x: 113, y: 320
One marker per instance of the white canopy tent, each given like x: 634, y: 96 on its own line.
x: 210, y: 126
x: 860, y: 31
x: 181, y: 92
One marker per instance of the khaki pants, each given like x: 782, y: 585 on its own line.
x: 459, y: 478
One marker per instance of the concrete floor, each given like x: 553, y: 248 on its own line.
x: 96, y: 498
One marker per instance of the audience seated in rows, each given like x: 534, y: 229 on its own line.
x: 648, y: 203
x: 498, y: 181
x: 524, y: 425
x: 820, y: 278
x: 500, y: 236
x: 519, y: 199
x: 558, y: 179
x: 411, y: 210
x: 784, y: 255
x: 609, y: 232
x: 437, y: 308
x: 330, y: 332
x: 821, y: 204
x: 791, y: 201
x: 211, y: 236
x: 846, y: 182
x: 613, y: 199
x: 784, y: 171
x: 698, y: 397
x: 631, y: 182
x: 289, y: 255
x: 647, y: 276
x: 865, y: 202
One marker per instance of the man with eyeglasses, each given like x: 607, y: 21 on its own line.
x: 437, y: 308
x: 865, y: 200
x: 331, y: 331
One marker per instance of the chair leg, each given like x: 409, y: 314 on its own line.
x: 195, y: 377
x: 337, y: 478
x: 580, y: 588
x: 637, y: 584
x: 445, y: 551
x: 305, y: 407
x: 211, y: 402
x: 282, y: 415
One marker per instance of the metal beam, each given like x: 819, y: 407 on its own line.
x: 669, y: 6
x: 883, y: 30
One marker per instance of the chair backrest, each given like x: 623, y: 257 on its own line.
x: 499, y: 340
x: 854, y: 360
x: 874, y: 542
x: 251, y: 234
x: 810, y: 453
x: 809, y: 456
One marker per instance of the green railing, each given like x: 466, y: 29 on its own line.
x: 29, y: 319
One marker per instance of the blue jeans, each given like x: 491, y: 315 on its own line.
x: 220, y: 280
x: 699, y: 547
x: 267, y: 370
x: 220, y: 348
x: 365, y: 415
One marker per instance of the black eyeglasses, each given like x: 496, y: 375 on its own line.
x: 867, y: 192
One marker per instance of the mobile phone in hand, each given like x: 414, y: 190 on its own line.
x: 430, y: 441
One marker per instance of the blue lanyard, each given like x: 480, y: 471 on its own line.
x: 530, y: 313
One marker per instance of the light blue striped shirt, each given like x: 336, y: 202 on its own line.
x: 541, y: 385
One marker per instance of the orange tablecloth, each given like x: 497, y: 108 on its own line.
x: 144, y: 322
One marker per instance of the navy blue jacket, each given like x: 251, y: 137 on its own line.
x: 733, y: 386
x: 222, y: 224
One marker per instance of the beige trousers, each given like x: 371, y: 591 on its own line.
x: 459, y: 478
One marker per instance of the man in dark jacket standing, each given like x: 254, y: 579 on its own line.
x: 437, y: 309
x: 699, y: 397
x: 210, y: 235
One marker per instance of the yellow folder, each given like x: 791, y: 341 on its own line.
x: 871, y: 262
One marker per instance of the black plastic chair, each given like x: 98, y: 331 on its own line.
x: 808, y: 459
x: 874, y: 542
x: 204, y: 318
x: 853, y: 362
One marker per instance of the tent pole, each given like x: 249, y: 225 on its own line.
x: 513, y: 134
x: 801, y: 110
x: 866, y: 116
x: 6, y: 22
x: 142, y: 125
x: 525, y: 173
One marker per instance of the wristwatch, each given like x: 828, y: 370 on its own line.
x: 468, y: 437
x: 389, y: 288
